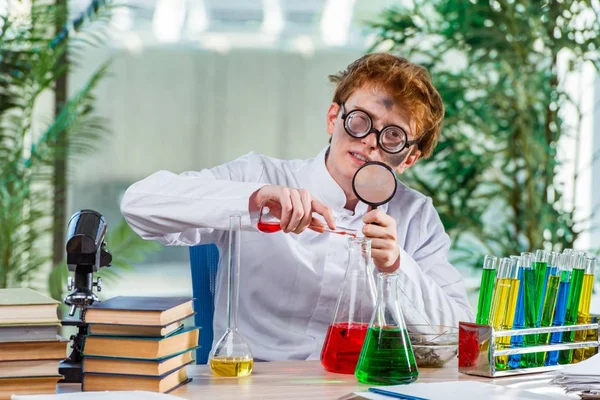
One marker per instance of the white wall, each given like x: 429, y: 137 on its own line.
x: 182, y: 108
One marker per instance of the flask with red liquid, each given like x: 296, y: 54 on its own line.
x: 355, y: 305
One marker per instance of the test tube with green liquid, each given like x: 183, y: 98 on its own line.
x: 531, y: 307
x: 554, y: 273
x: 541, y: 278
x: 488, y: 278
x: 583, y: 315
x: 576, y: 259
x: 501, y: 291
x: 514, y: 271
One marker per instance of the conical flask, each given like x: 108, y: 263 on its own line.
x: 387, y: 356
x: 231, y: 355
x: 355, y: 304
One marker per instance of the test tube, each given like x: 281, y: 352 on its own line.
x: 555, y: 265
x: 488, y: 278
x: 501, y: 292
x: 560, y: 310
x: 583, y: 315
x: 526, y: 259
x: 576, y: 259
x: 531, y: 306
x: 541, y: 279
x: 514, y: 271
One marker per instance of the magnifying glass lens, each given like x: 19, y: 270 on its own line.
x: 374, y: 183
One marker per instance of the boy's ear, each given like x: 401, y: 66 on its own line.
x: 412, y: 158
x: 332, y: 115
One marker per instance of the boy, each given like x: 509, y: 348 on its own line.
x: 384, y: 109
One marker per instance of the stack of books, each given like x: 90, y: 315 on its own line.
x: 30, y: 349
x: 138, y: 343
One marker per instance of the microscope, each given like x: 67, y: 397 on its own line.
x: 86, y: 254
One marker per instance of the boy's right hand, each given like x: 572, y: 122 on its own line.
x: 293, y: 207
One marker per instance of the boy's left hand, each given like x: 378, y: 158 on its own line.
x: 381, y: 229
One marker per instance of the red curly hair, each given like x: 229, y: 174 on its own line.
x: 409, y: 85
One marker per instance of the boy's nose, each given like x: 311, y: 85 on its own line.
x: 370, y: 140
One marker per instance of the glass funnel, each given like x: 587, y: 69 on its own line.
x: 350, y: 322
x: 231, y: 355
x: 387, y: 356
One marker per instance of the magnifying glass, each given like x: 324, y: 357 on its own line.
x: 374, y: 183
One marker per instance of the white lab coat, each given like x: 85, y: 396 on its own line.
x: 289, y: 283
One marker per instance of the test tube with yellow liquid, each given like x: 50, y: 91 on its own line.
x: 501, y: 290
x: 505, y: 304
x: 231, y: 355
x: 583, y: 316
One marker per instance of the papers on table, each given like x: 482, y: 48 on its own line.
x: 452, y: 391
x: 582, y: 377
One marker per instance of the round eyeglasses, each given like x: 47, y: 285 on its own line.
x: 358, y: 124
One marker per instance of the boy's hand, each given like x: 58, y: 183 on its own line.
x: 293, y: 207
x: 381, y: 229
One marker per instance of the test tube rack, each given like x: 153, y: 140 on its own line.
x: 478, y: 348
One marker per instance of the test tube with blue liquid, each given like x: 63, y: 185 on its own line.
x: 560, y: 310
x: 525, y: 262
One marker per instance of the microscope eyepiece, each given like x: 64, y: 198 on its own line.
x: 85, y: 239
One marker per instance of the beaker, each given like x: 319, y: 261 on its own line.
x: 387, y: 356
x: 355, y: 304
x: 231, y: 355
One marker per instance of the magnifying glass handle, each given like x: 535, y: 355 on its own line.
x: 374, y: 208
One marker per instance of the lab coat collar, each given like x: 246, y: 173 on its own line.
x: 322, y: 185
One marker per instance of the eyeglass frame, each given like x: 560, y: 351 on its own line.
x: 377, y: 132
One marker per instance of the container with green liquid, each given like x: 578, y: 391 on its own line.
x: 531, y: 314
x: 576, y: 260
x: 541, y: 279
x: 387, y: 356
x: 486, y: 291
x: 555, y: 267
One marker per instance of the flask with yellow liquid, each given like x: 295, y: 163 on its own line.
x: 231, y: 355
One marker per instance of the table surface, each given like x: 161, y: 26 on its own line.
x: 308, y: 380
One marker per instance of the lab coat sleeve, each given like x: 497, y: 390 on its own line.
x: 431, y: 289
x: 186, y: 209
